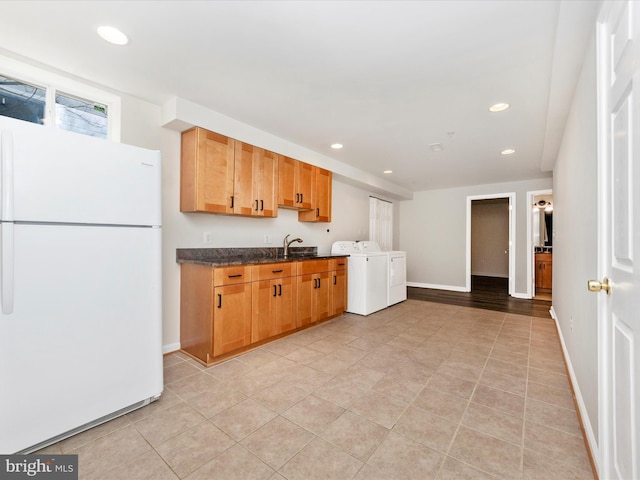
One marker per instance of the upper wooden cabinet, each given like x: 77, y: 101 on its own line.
x: 206, y: 172
x: 321, y: 195
x: 223, y: 175
x: 295, y: 184
x: 255, y: 181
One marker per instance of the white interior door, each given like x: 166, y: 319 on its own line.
x: 619, y: 241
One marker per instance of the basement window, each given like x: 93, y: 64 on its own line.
x: 38, y: 96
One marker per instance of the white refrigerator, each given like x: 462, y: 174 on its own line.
x: 80, y: 283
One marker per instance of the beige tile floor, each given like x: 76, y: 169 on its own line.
x: 417, y: 391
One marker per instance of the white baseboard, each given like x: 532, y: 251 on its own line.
x: 171, y: 347
x: 586, y: 421
x: 437, y: 287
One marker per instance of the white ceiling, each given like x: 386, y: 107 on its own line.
x: 385, y: 78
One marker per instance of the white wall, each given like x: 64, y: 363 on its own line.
x: 433, y: 232
x: 575, y: 242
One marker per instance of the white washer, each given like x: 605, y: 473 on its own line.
x: 397, y: 271
x: 367, y: 278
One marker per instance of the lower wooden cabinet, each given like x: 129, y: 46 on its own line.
x: 274, y: 307
x: 231, y: 318
x: 544, y: 270
x: 226, y: 309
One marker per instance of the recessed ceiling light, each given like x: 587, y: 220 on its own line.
x: 436, y: 147
x: 336, y: 146
x: 112, y: 35
x: 508, y: 151
x: 498, y: 107
x: 388, y: 171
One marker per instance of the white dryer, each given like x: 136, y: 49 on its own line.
x: 396, y: 268
x: 367, y: 278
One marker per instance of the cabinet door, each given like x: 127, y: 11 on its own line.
x: 286, y: 182
x: 338, y: 292
x: 196, y: 325
x: 245, y: 201
x: 306, y: 291
x: 286, y: 304
x: 322, y: 296
x: 206, y: 172
x: 304, y: 185
x: 321, y: 211
x: 231, y: 318
x: 264, y: 317
x: 265, y: 183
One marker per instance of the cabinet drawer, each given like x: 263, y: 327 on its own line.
x: 338, y: 264
x: 269, y: 271
x: 312, y: 266
x: 231, y: 275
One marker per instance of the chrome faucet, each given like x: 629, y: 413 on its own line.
x: 286, y: 244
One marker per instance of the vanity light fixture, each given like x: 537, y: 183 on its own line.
x: 336, y: 146
x: 112, y: 35
x: 548, y: 207
x: 498, y: 107
x: 508, y: 151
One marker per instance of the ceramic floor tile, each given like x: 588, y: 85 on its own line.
x: 507, y: 383
x: 452, y: 469
x: 308, y: 378
x: 148, y: 466
x: 378, y: 408
x: 280, y: 396
x: 340, y: 392
x: 442, y: 404
x: 362, y: 375
x: 494, y: 422
x: 229, y: 370
x: 430, y: 430
x: 355, y: 435
x: 564, y: 419
x: 164, y: 424
x: 404, y: 459
x: 461, y: 370
x: 190, y: 450
x: 213, y: 402
x: 236, y: 463
x: 452, y: 385
x: 367, y: 472
x: 500, y: 400
x: 400, y: 389
x: 536, y: 466
x: 277, y: 442
x: 258, y: 357
x: 313, y: 413
x: 551, y: 379
x: 487, y: 453
x: 556, y: 396
x: 193, y: 385
x: 179, y: 371
x: 105, y: 453
x: 558, y: 445
x: 506, y: 368
x: 305, y: 355
x: 243, y: 419
x: 319, y: 460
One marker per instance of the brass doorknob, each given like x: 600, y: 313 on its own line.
x: 596, y: 286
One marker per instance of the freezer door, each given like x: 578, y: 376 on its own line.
x: 83, y: 339
x: 50, y: 175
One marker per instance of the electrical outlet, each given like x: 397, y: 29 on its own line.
x: 207, y: 237
x: 268, y: 239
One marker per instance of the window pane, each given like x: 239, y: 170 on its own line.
x: 81, y: 116
x: 20, y: 100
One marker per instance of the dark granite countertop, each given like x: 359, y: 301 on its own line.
x: 219, y: 257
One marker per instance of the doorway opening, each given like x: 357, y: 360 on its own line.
x: 490, y: 243
x: 540, y: 244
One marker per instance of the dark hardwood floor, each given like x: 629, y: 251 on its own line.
x: 489, y: 293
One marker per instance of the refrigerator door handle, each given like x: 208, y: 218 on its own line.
x: 6, y: 175
x: 6, y: 267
